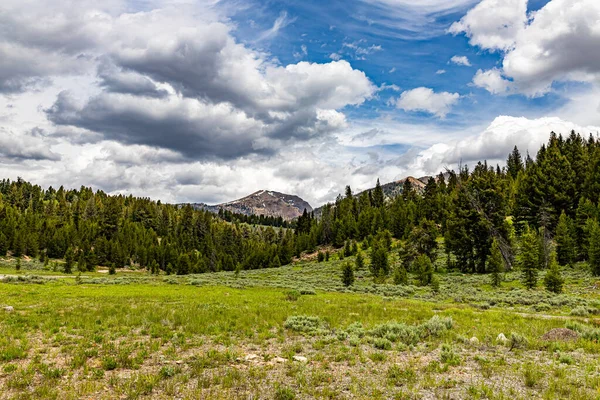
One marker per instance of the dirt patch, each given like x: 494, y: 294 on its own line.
x: 561, y: 334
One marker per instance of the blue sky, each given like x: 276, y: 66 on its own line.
x: 210, y: 100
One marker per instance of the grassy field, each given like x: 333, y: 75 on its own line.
x: 293, y: 332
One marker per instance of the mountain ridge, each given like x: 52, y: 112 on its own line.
x: 268, y: 203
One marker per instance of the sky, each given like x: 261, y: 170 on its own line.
x: 211, y: 100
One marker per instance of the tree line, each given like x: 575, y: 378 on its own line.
x: 534, y: 213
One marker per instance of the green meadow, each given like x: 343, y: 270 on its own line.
x: 293, y: 333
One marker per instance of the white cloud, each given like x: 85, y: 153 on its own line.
x: 460, y: 60
x: 280, y: 23
x: 493, y: 24
x: 440, y: 72
x: 495, y: 143
x: 557, y: 43
x: 425, y: 99
x: 492, y: 81
x: 335, y: 56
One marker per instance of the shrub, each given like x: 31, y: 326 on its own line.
x: 400, y: 275
x: 382, y: 344
x: 580, y: 311
x: 399, y: 377
x: 303, y: 323
x: 448, y: 356
x: 516, y: 341
x: 320, y: 256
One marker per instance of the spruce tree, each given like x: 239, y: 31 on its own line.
x: 360, y: 261
x: 529, y: 258
x: 400, y: 275
x: 81, y: 265
x: 553, y: 281
x: 18, y: 264
x: 111, y: 269
x: 514, y: 164
x: 378, y: 197
x: 495, y: 264
x: 565, y: 242
x: 424, y: 268
x: 69, y: 260
x: 347, y: 274
x: 3, y: 245
x: 594, y: 247
x: 379, y: 267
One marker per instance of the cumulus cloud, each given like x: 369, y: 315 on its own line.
x: 495, y: 142
x: 492, y: 81
x: 425, y: 99
x: 460, y: 60
x: 557, y: 43
x: 493, y: 24
x: 24, y: 147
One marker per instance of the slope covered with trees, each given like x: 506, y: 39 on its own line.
x: 531, y: 213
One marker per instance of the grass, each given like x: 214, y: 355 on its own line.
x: 221, y: 336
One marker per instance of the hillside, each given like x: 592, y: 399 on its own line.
x: 263, y: 202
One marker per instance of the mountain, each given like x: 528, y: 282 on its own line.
x: 394, y: 189
x: 263, y: 202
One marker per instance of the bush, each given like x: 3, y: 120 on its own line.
x: 580, y: 311
x: 516, y: 341
x: 382, y: 344
x: 448, y: 356
x: 303, y: 323
x: 320, y: 256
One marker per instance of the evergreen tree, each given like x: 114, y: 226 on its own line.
x: 111, y: 269
x: 360, y: 261
x: 424, y: 269
x: 81, y: 265
x: 594, y: 247
x: 553, y: 281
x: 347, y: 274
x: 378, y: 197
x: 514, y: 163
x: 529, y: 258
x: 3, y: 245
x: 565, y: 242
x: 379, y: 267
x: 69, y: 260
x: 18, y: 264
x: 495, y: 264
x: 400, y: 275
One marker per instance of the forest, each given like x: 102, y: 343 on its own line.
x: 535, y: 213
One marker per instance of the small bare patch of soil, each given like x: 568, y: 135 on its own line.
x: 560, y: 334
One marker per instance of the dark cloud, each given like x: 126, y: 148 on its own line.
x: 194, y: 129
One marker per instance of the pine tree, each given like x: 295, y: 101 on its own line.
x: 594, y: 247
x: 529, y: 258
x: 424, y: 268
x: 69, y: 260
x: 514, y: 163
x: 347, y: 274
x: 81, y: 265
x: 565, y: 242
x: 553, y: 281
x: 111, y: 269
x: 400, y: 275
x: 3, y: 245
x: 379, y: 267
x: 18, y: 264
x: 378, y: 197
x: 495, y: 264
x: 360, y: 261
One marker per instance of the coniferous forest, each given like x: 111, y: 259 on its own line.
x: 532, y: 213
